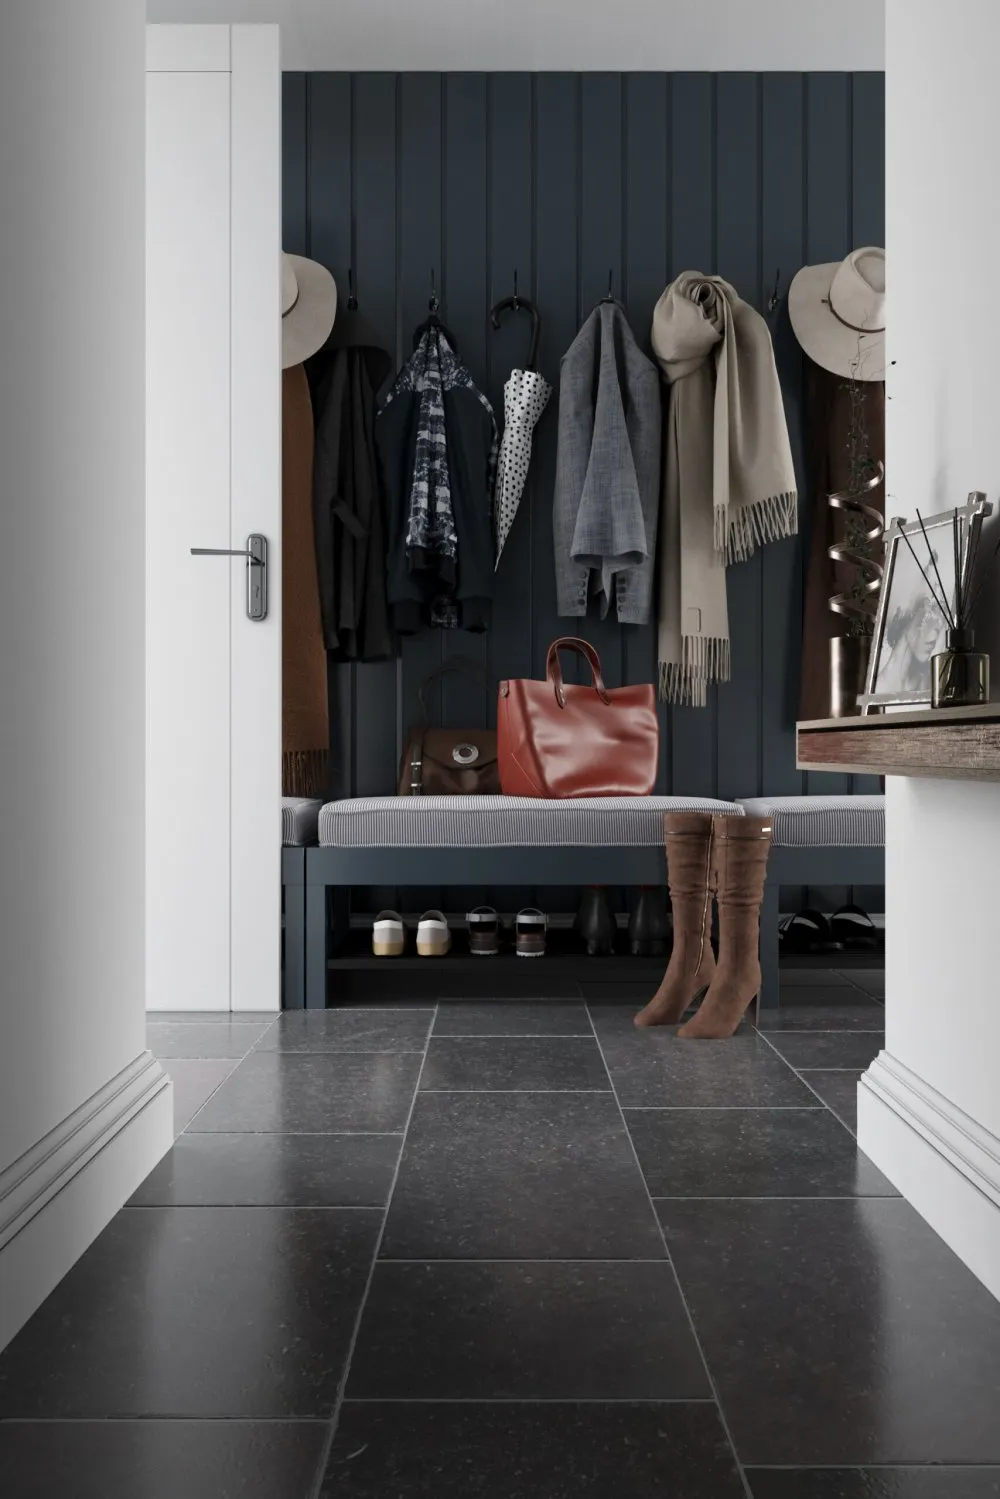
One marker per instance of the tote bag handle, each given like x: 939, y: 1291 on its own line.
x: 553, y: 670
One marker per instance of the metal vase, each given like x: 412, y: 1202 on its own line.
x: 848, y: 673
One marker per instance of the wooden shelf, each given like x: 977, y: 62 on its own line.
x: 949, y: 744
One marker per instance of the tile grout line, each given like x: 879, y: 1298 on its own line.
x: 806, y: 1083
x: 316, y: 1490
x: 673, y: 1269
x: 237, y: 1064
x: 521, y: 1400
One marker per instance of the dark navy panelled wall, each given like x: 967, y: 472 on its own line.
x: 565, y: 178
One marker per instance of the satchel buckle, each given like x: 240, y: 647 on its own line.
x: 465, y: 754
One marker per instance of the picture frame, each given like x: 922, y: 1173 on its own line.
x: 909, y: 626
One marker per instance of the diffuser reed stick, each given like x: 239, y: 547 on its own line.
x: 941, y: 600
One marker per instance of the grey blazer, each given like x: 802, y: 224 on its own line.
x: 607, y: 491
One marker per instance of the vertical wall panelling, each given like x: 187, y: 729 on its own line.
x: 646, y: 117
x: 374, y: 199
x: 564, y: 177
x: 294, y: 163
x: 782, y: 238
x: 511, y: 247
x: 374, y: 193
x: 465, y: 252
x: 557, y: 166
x: 828, y: 230
x: 466, y: 260
x: 693, y: 247
x: 420, y: 243
x: 600, y: 227
x: 328, y: 123
x: 782, y: 235
x: 737, y: 168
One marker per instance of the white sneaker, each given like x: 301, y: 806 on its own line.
x: 388, y: 935
x: 433, y: 936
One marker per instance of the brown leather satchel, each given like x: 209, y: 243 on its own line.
x: 558, y: 740
x: 449, y: 762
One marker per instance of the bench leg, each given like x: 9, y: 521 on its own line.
x: 315, y: 947
x: 770, y: 995
x: 294, y: 989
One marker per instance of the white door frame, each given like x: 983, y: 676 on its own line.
x: 250, y: 54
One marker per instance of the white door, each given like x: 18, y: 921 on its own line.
x: 213, y: 729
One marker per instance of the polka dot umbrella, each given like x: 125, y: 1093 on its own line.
x: 525, y: 396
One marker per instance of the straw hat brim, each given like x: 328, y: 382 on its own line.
x: 307, y: 325
x: 829, y: 342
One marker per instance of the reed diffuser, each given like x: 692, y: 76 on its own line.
x: 960, y: 675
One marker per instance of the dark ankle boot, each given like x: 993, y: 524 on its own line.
x: 594, y: 922
x: 649, y: 927
x: 742, y: 845
x: 690, y: 873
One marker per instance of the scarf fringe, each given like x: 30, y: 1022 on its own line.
x: 304, y: 772
x: 740, y: 533
x: 704, y: 659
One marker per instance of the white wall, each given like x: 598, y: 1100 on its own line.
x: 72, y: 379
x: 496, y: 35
x: 942, y: 440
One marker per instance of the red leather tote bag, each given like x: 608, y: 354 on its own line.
x: 555, y: 739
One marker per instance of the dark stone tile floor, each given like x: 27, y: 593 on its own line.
x: 520, y: 1251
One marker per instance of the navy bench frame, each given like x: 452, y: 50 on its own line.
x: 318, y: 882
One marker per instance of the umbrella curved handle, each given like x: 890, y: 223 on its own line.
x: 521, y: 304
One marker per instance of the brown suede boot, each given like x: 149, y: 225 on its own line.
x: 688, y: 837
x: 741, y: 847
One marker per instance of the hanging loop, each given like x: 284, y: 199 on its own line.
x: 517, y: 303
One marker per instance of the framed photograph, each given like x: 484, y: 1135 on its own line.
x: 909, y: 626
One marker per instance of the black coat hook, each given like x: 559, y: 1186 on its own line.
x: 433, y: 305
x: 611, y: 288
x: 352, y: 301
x: 775, y: 298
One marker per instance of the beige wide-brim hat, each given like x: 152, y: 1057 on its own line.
x: 838, y: 314
x: 308, y: 308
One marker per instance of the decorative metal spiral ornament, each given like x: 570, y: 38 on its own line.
x: 851, y: 501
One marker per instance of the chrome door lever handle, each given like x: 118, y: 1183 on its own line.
x: 255, y: 553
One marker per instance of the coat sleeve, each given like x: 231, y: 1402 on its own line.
x: 326, y: 471
x: 610, y: 531
x: 575, y: 434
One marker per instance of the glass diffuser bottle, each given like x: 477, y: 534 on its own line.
x: 960, y: 676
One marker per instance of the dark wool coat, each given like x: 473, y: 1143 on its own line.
x: 348, y: 503
x: 437, y: 441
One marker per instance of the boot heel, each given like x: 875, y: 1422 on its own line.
x: 649, y: 949
x: 598, y: 950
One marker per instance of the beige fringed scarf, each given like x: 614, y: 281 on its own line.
x: 728, y: 477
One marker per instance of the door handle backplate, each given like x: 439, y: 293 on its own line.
x: 255, y: 553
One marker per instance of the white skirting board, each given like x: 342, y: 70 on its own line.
x: 58, y: 1196
x: 941, y: 1160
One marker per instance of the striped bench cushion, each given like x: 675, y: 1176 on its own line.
x: 822, y: 821
x: 505, y: 821
x: 299, y: 821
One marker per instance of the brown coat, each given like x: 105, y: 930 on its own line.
x: 305, y: 718
x: 828, y: 416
